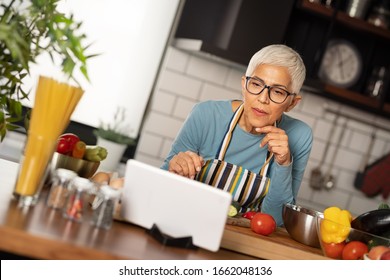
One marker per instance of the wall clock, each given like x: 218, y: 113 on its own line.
x: 341, y: 64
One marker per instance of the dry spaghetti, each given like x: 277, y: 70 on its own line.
x: 54, y: 104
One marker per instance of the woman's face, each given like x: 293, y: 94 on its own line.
x: 259, y: 110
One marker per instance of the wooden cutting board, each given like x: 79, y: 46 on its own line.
x: 238, y: 221
x: 277, y: 246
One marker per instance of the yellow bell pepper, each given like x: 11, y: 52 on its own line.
x: 336, y: 225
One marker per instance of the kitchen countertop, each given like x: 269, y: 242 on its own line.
x: 42, y: 233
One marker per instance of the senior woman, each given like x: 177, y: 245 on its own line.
x: 253, y: 134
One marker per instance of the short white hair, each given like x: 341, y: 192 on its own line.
x: 280, y: 55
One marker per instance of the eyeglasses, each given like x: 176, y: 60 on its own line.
x: 276, y: 94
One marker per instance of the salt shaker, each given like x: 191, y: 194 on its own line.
x: 77, y: 201
x: 59, y: 188
x: 104, y: 206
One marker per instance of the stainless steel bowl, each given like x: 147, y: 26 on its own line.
x: 300, y: 224
x: 83, y: 168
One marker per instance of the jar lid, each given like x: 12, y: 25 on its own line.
x: 82, y: 184
x: 66, y: 173
x: 110, y: 192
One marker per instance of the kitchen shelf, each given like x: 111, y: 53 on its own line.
x: 316, y: 8
x: 362, y: 25
x: 345, y: 19
x: 356, y: 97
x: 372, y: 42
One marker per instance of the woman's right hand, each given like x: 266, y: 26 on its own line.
x: 186, y: 164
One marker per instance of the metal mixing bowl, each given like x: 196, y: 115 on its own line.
x: 300, y: 224
x: 83, y: 168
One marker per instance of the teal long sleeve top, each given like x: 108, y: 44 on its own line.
x: 205, y: 128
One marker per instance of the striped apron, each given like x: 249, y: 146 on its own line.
x: 246, y: 187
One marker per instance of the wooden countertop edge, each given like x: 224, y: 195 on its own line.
x: 233, y: 240
x: 42, y: 248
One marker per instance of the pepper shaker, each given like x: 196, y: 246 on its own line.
x: 104, y: 206
x: 77, y: 201
x: 59, y: 188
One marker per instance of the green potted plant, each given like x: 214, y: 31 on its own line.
x: 29, y: 28
x: 115, y: 131
x: 113, y: 137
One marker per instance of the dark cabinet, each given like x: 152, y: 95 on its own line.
x: 235, y: 29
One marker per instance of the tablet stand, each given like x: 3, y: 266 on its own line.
x: 183, y: 242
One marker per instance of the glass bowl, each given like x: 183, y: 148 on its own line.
x: 351, y: 244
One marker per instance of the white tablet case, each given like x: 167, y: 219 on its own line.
x: 179, y: 206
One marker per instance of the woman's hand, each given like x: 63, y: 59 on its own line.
x: 186, y: 164
x: 277, y: 141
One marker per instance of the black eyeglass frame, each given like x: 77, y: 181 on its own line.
x: 266, y: 87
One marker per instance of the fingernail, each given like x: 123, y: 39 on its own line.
x: 198, y: 169
x: 192, y: 177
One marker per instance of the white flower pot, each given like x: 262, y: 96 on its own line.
x: 114, y: 154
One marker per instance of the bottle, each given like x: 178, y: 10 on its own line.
x: 104, y: 206
x: 380, y: 14
x: 77, y: 202
x: 375, y: 85
x: 59, y: 188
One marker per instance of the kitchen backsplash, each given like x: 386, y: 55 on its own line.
x: 186, y: 79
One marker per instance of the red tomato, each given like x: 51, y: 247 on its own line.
x: 63, y: 147
x: 333, y: 250
x: 263, y: 224
x: 71, y: 138
x: 354, y: 250
x: 66, y: 143
x: 249, y: 215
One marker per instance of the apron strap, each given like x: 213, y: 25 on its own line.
x: 228, y: 136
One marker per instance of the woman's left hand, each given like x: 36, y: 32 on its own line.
x: 277, y: 141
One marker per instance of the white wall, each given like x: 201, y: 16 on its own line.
x: 131, y: 36
x: 186, y: 79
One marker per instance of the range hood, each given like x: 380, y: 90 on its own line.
x: 201, y: 49
x: 231, y: 31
